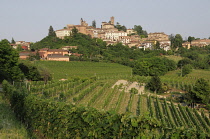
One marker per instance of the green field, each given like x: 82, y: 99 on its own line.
x: 60, y: 69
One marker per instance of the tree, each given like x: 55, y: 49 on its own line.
x: 140, y: 31
x: 154, y: 84
x: 30, y: 71
x: 183, y: 62
x: 13, y: 41
x: 45, y: 74
x: 157, y: 45
x: 153, y: 66
x: 178, y: 41
x: 120, y: 27
x: 186, y: 70
x: 51, y: 32
x: 94, y: 23
x: 202, y: 91
x: 74, y: 31
x: 9, y: 62
x: 190, y: 39
x: 19, y: 47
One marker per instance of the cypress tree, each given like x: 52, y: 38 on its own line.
x: 51, y: 32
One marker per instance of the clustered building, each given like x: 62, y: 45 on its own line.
x: 111, y: 35
x: 50, y: 54
x: 22, y: 44
x: 108, y: 33
x: 198, y: 43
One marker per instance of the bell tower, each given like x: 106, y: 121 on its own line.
x: 112, y: 20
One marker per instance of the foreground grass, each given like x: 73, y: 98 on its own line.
x: 62, y: 69
x: 10, y: 127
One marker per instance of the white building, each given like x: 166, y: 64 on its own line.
x: 62, y: 33
x: 114, y: 35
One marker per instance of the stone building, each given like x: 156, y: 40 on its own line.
x: 198, y: 43
x: 158, y: 36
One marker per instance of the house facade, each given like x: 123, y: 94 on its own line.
x: 57, y: 57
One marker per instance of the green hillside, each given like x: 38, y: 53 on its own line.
x: 173, y: 76
x: 60, y: 69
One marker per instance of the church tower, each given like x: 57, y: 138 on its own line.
x: 112, y: 20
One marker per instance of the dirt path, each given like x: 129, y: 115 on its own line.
x: 128, y: 85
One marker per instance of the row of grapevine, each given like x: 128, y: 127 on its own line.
x: 84, y: 92
x: 160, y: 111
x: 188, y: 121
x: 150, y: 107
x: 128, y: 108
x: 109, y: 97
x: 176, y: 115
x: 205, y: 118
x: 169, y: 115
x: 193, y: 119
x: 119, y: 101
x: 202, y: 121
x: 97, y: 94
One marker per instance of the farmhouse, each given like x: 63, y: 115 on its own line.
x: 25, y: 55
x: 57, y: 57
x: 54, y: 54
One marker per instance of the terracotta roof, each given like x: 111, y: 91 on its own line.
x: 44, y: 49
x: 57, y: 56
x: 64, y: 30
x: 25, y: 53
x: 56, y: 50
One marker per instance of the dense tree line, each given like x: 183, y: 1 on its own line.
x: 200, y: 93
x: 12, y: 69
x: 194, y: 58
x: 153, y: 66
x: 9, y: 62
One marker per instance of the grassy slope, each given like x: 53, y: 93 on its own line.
x: 10, y: 127
x: 190, y: 78
x: 174, y: 58
x: 61, y: 69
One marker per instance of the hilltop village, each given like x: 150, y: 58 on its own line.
x: 109, y: 33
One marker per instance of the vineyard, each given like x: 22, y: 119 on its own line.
x: 99, y: 94
x: 86, y: 104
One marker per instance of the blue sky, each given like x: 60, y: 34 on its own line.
x: 29, y: 20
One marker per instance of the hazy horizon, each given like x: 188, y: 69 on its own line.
x: 27, y: 20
